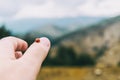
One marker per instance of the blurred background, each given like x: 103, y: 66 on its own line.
x: 85, y: 35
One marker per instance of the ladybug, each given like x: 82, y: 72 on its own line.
x: 37, y: 40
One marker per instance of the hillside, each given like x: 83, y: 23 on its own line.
x: 49, y: 30
x: 95, y: 40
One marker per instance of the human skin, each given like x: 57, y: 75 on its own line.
x: 14, y: 65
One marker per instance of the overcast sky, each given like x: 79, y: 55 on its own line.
x: 18, y: 9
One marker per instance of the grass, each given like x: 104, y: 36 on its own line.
x: 77, y: 73
x: 62, y: 73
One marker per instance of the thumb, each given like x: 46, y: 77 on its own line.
x: 37, y: 52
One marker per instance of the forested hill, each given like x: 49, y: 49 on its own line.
x: 95, y: 38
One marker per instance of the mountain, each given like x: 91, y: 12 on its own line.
x: 24, y: 25
x: 50, y: 31
x: 97, y: 40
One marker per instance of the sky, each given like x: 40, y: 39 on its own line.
x: 20, y: 9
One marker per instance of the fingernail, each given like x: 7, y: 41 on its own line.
x: 45, y: 41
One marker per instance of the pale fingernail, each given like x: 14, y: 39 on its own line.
x: 45, y: 42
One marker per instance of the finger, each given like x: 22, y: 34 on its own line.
x: 36, y: 53
x: 9, y: 45
x: 18, y: 54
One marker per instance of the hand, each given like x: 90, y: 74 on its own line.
x: 14, y: 65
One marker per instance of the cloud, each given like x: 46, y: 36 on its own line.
x: 16, y: 9
x: 48, y: 10
x: 101, y: 8
x: 12, y: 7
x: 7, y: 8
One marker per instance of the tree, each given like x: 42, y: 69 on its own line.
x: 4, y: 32
x: 118, y: 64
x: 85, y: 59
x: 65, y: 56
x: 29, y: 38
x: 101, y: 51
